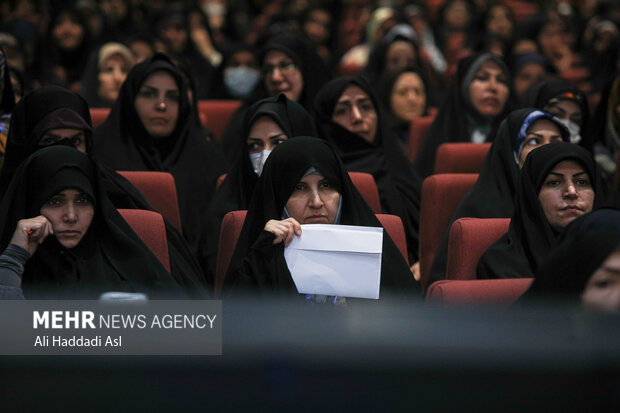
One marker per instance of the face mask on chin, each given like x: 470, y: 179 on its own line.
x: 258, y: 160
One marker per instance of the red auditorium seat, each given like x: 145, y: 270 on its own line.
x: 149, y: 226
x: 233, y: 223
x: 441, y: 195
x: 394, y: 227
x: 367, y: 187
x: 160, y: 190
x: 461, y: 158
x: 229, y: 234
x: 503, y: 291
x: 216, y: 114
x: 99, y: 115
x: 417, y: 132
x: 469, y: 239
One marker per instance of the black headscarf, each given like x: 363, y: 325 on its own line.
x: 376, y: 60
x: 123, y: 143
x: 492, y: 196
x: 457, y: 118
x: 314, y: 73
x: 110, y: 256
x: 582, y: 248
x: 51, y: 107
x: 45, y: 108
x: 399, y: 187
x: 541, y: 95
x: 530, y: 237
x: 259, y: 265
x: 236, y: 191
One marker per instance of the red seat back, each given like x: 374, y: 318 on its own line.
x: 441, y: 195
x: 505, y: 291
x: 149, y: 226
x: 160, y: 190
x: 365, y: 184
x: 229, y: 234
x: 417, y: 132
x: 99, y: 115
x: 469, y: 239
x: 461, y: 158
x: 216, y: 114
x: 394, y: 227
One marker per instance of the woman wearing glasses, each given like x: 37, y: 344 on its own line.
x: 289, y: 65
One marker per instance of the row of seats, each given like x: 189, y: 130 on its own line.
x: 150, y: 228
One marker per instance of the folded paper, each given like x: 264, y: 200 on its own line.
x: 339, y: 260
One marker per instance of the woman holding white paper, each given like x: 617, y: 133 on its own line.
x: 303, y: 182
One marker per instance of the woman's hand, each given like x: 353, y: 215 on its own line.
x: 283, y: 230
x: 31, y: 232
x: 415, y: 270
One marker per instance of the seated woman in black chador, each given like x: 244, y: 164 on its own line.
x: 152, y: 127
x: 492, y: 196
x: 70, y: 241
x: 349, y: 118
x: 267, y: 123
x: 52, y: 115
x: 585, y: 265
x: 558, y: 183
x: 303, y: 182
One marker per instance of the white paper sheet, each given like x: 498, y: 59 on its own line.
x: 340, y: 260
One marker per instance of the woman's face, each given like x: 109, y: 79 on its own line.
x: 265, y: 134
x: 157, y: 104
x: 112, y: 74
x: 67, y: 32
x: 355, y: 112
x: 76, y: 136
x: 70, y: 212
x: 313, y: 201
x: 542, y: 132
x: 529, y: 75
x: 457, y: 15
x: 408, y: 99
x: 566, y: 194
x: 603, y: 288
x: 489, y: 90
x: 499, y: 22
x: 281, y: 75
x: 399, y: 55
x: 566, y: 110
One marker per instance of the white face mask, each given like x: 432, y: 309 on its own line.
x: 574, y: 130
x: 258, y: 160
x: 240, y: 81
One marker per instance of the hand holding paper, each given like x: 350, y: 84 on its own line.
x: 337, y: 260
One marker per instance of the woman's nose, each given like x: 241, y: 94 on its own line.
x: 70, y: 214
x: 356, y: 113
x: 315, y: 200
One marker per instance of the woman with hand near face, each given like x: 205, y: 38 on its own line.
x: 152, y: 127
x: 559, y: 182
x: 303, y: 182
x: 473, y: 109
x: 64, y: 239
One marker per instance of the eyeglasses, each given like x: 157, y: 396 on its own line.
x: 285, y: 68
